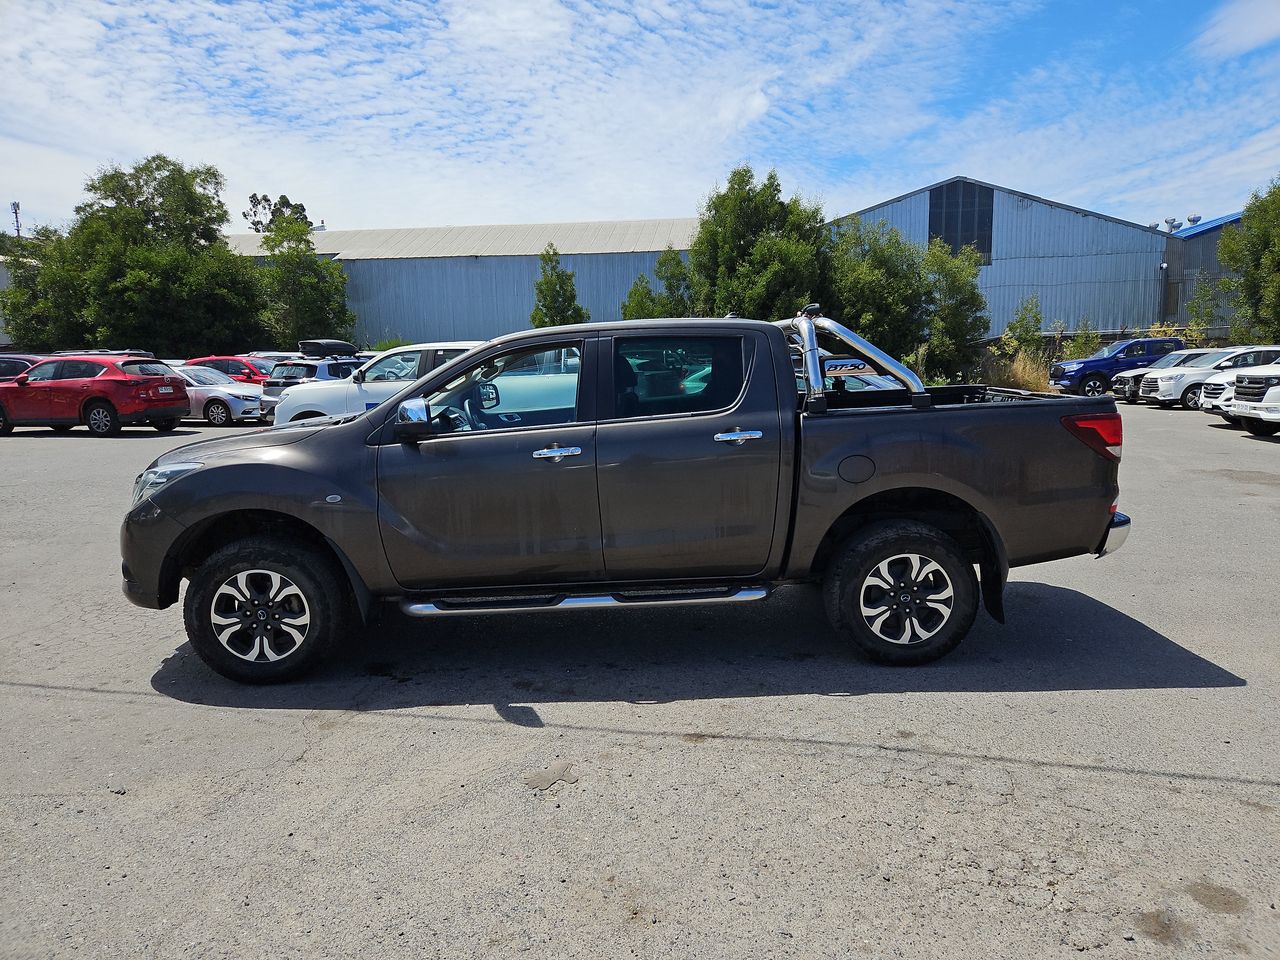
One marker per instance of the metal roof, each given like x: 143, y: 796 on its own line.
x: 500, y: 240
x: 1204, y: 225
x: 1016, y: 193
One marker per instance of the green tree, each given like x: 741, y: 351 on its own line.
x: 1085, y: 342
x: 643, y: 302
x: 264, y: 212
x: 756, y: 254
x: 1023, y: 332
x: 143, y: 264
x: 555, y: 297
x: 1252, y: 250
x: 878, y: 278
x: 959, y: 310
x: 306, y: 295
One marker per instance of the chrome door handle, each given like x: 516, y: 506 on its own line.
x: 738, y: 437
x: 556, y: 454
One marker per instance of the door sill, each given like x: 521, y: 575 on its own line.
x: 670, y: 597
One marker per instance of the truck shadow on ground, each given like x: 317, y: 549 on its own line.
x: 1056, y: 639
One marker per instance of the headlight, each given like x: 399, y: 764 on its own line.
x: 1072, y: 366
x: 1273, y: 381
x: 241, y: 396
x: 1172, y: 378
x: 149, y: 481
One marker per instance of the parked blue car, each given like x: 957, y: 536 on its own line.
x: 1091, y: 377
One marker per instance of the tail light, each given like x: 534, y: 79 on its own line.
x: 1101, y: 432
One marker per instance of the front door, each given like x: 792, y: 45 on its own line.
x: 689, y: 451
x: 37, y: 399
x: 504, y: 493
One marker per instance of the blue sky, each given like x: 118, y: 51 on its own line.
x: 506, y: 111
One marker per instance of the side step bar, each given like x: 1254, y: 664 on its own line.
x: 444, y: 608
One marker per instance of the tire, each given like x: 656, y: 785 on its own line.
x: 6, y: 425
x: 1191, y: 398
x: 1234, y: 421
x: 1260, y: 428
x: 862, y: 611
x: 164, y: 426
x: 1130, y: 399
x: 1164, y: 404
x: 1094, y: 385
x: 101, y: 419
x: 305, y: 415
x: 238, y: 579
x: 217, y: 413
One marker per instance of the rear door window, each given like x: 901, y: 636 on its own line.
x: 659, y: 376
x: 80, y: 370
x: 343, y: 368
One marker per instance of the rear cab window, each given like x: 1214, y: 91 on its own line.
x: 293, y: 371
x: 662, y: 376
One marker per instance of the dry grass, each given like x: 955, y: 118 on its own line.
x: 1026, y: 371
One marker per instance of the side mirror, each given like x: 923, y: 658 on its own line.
x: 489, y: 396
x: 358, y: 376
x: 21, y: 379
x: 413, y: 421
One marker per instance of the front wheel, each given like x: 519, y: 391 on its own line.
x: 1094, y: 386
x: 217, y: 413
x: 1191, y: 397
x: 902, y: 592
x: 1260, y: 428
x: 261, y: 610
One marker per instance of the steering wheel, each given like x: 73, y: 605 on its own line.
x: 473, y: 417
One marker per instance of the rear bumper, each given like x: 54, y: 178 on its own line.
x: 1117, y: 533
x: 167, y: 412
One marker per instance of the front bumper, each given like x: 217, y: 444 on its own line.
x: 244, y: 409
x: 146, y: 539
x: 1268, y: 410
x: 1125, y: 388
x: 1117, y: 533
x: 171, y: 411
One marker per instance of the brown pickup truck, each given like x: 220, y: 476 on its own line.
x: 622, y: 465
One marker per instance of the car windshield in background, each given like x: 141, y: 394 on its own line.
x: 1109, y: 351
x: 1209, y: 359
x: 205, y: 376
x: 1173, y: 360
x: 146, y: 368
x: 266, y: 366
x: 293, y: 371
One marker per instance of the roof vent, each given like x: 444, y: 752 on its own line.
x: 318, y: 227
x: 1154, y: 226
x: 1177, y: 225
x: 1193, y: 219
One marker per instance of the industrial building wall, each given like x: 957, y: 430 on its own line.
x: 1199, y: 256
x: 1080, y: 265
x: 477, y: 298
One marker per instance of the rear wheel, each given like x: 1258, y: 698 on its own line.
x: 1094, y: 386
x: 101, y: 419
x: 1234, y: 421
x: 1191, y: 397
x: 6, y: 425
x: 902, y: 592
x: 1260, y: 428
x: 164, y: 426
x: 262, y: 611
x: 217, y: 413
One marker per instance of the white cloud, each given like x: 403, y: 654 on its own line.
x: 1240, y: 26
x: 417, y: 113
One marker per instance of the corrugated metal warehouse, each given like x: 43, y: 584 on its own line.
x: 474, y: 283
x: 445, y: 283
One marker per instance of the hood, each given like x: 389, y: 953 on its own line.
x: 1140, y: 372
x: 219, y: 447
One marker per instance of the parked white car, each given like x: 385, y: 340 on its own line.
x: 1124, y: 385
x: 1257, y: 400
x: 219, y: 399
x: 1182, y: 384
x: 1218, y: 392
x: 378, y: 379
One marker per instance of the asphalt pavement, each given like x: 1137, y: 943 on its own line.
x: 1101, y: 773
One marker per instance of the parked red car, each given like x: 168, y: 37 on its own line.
x: 244, y: 369
x: 102, y: 392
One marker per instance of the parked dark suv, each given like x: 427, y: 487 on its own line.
x: 1091, y: 377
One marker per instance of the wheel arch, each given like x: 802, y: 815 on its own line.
x: 203, y: 538
x: 968, y: 526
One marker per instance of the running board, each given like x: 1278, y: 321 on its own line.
x: 605, y: 601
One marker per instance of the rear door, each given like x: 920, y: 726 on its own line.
x: 75, y: 381
x: 689, y: 448
x: 505, y: 491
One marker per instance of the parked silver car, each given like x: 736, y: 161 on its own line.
x: 218, y: 398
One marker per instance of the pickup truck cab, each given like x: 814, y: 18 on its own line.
x: 1092, y: 376
x: 625, y: 465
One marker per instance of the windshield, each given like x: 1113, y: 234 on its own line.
x: 1109, y: 351
x: 263, y: 365
x: 293, y: 371
x: 205, y: 376
x: 1209, y: 359
x: 1173, y: 360
x: 145, y: 368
